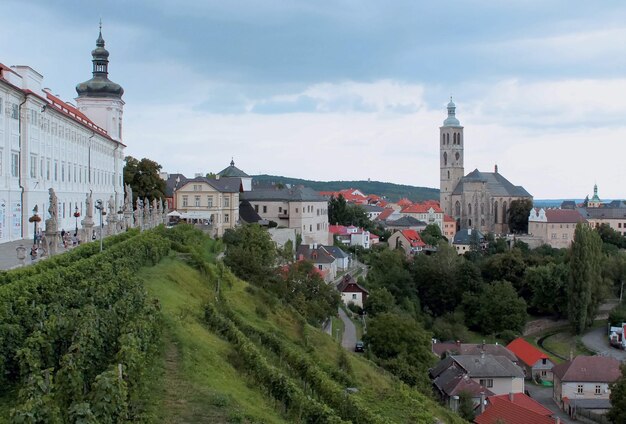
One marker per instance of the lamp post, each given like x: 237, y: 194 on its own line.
x: 76, y: 215
x: 100, y: 207
x: 35, y: 219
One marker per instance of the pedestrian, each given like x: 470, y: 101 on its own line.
x: 62, y: 233
x: 33, y: 252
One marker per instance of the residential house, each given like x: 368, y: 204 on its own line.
x: 351, y: 235
x: 351, y: 291
x: 442, y: 350
x: 554, y: 226
x: 405, y: 222
x: 388, y: 213
x: 496, y: 373
x: 321, y: 259
x: 300, y: 208
x: 449, y: 384
x: 428, y: 212
x: 172, y: 183
x: 214, y: 202
x: 449, y: 228
x: 584, y: 382
x: 407, y: 240
x: 342, y: 258
x: 466, y: 238
x: 373, y: 211
x: 351, y: 195
x: 535, y: 363
x: 514, y: 408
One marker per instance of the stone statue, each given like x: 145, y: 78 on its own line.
x: 87, y: 222
x: 89, y: 206
x: 139, y: 213
x: 128, y: 199
x: 53, y: 210
x: 111, y: 206
x: 146, y: 213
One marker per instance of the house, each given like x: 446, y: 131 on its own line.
x: 449, y: 228
x: 428, y: 212
x: 514, y: 408
x: 342, y: 258
x: 351, y: 291
x: 372, y: 211
x: 407, y: 240
x: 442, y: 350
x: 387, y: 214
x: 554, y: 226
x: 351, y: 235
x: 495, y: 373
x: 351, y: 195
x: 534, y: 362
x: 583, y: 382
x: 405, y: 222
x: 466, y: 238
x: 449, y: 384
x: 321, y: 258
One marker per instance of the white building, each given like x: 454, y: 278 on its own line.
x: 48, y: 143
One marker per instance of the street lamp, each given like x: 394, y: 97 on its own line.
x: 35, y: 219
x: 100, y: 207
x: 76, y: 215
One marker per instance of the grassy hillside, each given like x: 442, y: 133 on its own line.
x: 392, y: 191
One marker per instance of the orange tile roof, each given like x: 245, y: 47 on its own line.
x: 404, y: 202
x: 511, y: 413
x: 520, y: 399
x: 385, y: 214
x: 448, y: 218
x: 413, y: 237
x: 422, y: 208
x: 526, y: 352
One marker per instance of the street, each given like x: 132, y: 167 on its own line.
x: 543, y: 395
x: 597, y: 341
x: 348, y: 341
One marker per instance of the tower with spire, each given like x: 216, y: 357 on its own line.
x: 595, y: 201
x: 450, y: 157
x: 100, y: 98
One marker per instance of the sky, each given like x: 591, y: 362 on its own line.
x: 351, y: 90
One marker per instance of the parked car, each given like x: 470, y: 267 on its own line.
x: 359, y: 347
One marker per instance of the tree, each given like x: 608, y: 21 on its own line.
x: 432, y: 235
x: 143, y: 177
x: 388, y: 269
x: 519, y: 210
x: 495, y: 309
x: 509, y: 266
x: 379, y: 301
x: 210, y: 175
x: 466, y: 406
x: 617, y: 413
x: 611, y: 236
x: 585, y: 283
x: 341, y: 212
x: 250, y: 252
x: 548, y: 284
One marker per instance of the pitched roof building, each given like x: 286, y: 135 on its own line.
x: 534, y: 362
x: 554, y: 226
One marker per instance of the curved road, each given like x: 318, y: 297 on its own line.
x: 348, y: 340
x: 598, y: 341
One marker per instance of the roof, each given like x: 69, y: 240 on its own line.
x: 488, y: 366
x: 171, y: 183
x: 564, y: 216
x: 317, y: 255
x: 422, y: 208
x: 407, y: 221
x: 497, y: 185
x: 224, y: 185
x: 448, y: 218
x: 526, y: 352
x: 413, y: 238
x: 454, y: 380
x: 348, y: 281
x: 511, y: 413
x: 593, y: 369
x: 520, y: 399
x: 404, y: 202
x: 372, y: 208
x: 472, y: 349
x: 283, y: 194
x: 336, y: 252
x: 603, y: 213
x: 232, y: 171
x: 385, y: 214
x: 465, y: 235
x: 247, y: 213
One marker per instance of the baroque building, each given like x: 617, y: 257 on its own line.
x: 477, y: 200
x: 46, y: 142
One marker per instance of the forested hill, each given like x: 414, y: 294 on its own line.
x: 391, y: 191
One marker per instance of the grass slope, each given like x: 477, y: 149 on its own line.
x: 199, y: 378
x: 393, y: 192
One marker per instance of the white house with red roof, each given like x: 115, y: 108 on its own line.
x: 428, y: 212
x: 46, y: 142
x: 351, y: 235
x: 554, y: 226
x: 351, y: 291
x: 534, y: 362
x: 407, y: 240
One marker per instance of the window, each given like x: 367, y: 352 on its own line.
x: 14, y: 111
x: 457, y: 156
x: 553, y: 236
x: 256, y: 208
x: 296, y: 210
x: 564, y: 236
x: 544, y: 373
x: 15, y: 164
x: 209, y: 201
x: 319, y: 267
x: 280, y: 209
x: 185, y: 200
x: 48, y: 169
x: 33, y: 166
x: 197, y: 187
x: 226, y: 202
x: 226, y: 218
x: 544, y: 361
x: 264, y: 209
x: 74, y: 172
x: 318, y: 227
x: 580, y: 389
x: 196, y: 201
x: 598, y: 389
x: 486, y: 382
x: 353, y: 296
x: 445, y: 158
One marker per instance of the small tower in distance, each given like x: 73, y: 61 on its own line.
x: 100, y: 98
x: 450, y: 158
x: 595, y: 201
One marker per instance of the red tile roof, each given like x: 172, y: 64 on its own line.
x: 526, y: 352
x: 510, y: 413
x: 422, y: 208
x: 413, y: 237
x: 522, y: 400
x: 404, y: 202
x: 448, y: 218
x: 385, y: 214
x: 565, y: 216
x: 594, y: 369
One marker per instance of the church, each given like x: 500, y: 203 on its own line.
x: 478, y: 200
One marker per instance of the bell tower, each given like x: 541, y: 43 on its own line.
x: 450, y: 158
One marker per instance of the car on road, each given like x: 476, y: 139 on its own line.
x: 359, y: 347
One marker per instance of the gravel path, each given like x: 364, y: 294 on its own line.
x: 598, y: 341
x: 349, y: 333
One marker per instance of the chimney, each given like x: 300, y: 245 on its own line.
x: 511, y: 397
x: 496, y: 168
x: 482, y: 402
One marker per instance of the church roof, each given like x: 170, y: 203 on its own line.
x: 100, y: 85
x: 232, y: 171
x: 497, y: 185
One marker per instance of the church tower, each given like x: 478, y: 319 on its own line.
x: 100, y: 98
x: 450, y: 158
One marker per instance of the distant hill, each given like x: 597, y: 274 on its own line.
x: 391, y: 191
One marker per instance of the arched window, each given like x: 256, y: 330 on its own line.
x: 469, y: 222
x: 445, y: 158
x: 448, y: 174
x: 457, y: 208
x: 448, y: 138
x: 454, y: 138
x: 443, y: 139
x: 495, y: 212
x: 469, y: 208
x: 504, y: 212
x: 482, y: 222
x: 482, y: 208
x: 457, y: 156
x: 459, y: 139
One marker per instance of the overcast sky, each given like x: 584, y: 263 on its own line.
x: 347, y: 90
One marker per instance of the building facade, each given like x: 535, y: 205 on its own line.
x: 48, y: 143
x: 477, y: 200
x: 555, y: 227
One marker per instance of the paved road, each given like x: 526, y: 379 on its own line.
x: 543, y: 395
x: 349, y: 331
x: 597, y: 341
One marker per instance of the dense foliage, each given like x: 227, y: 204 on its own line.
x: 341, y: 212
x: 617, y: 413
x: 143, y: 177
x: 250, y: 252
x: 518, y: 215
